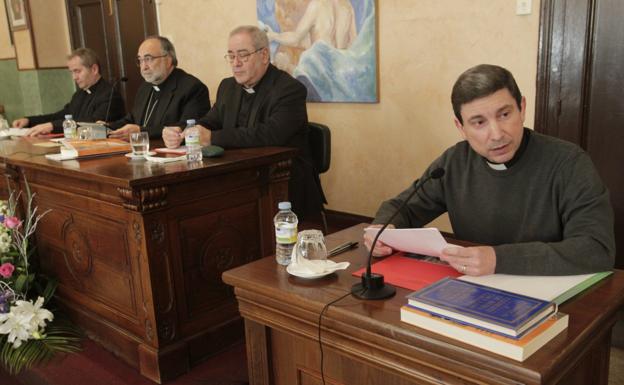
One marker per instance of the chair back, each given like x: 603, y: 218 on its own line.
x: 319, y: 138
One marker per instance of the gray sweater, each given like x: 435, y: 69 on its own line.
x: 548, y: 214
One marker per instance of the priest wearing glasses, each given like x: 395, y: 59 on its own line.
x: 260, y: 105
x: 168, y: 97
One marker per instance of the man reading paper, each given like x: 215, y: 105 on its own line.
x: 536, y: 201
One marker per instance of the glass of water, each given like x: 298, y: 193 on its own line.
x: 84, y: 133
x: 311, y: 246
x: 140, y: 143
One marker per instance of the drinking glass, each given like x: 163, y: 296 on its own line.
x: 84, y: 133
x: 140, y: 143
x: 311, y: 246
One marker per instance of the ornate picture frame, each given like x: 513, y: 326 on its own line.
x: 17, y: 12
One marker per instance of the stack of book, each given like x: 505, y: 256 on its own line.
x: 77, y: 149
x: 505, y: 323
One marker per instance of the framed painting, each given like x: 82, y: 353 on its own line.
x: 328, y: 45
x: 17, y: 11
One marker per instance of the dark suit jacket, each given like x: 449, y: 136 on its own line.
x: 278, y: 117
x: 85, y: 107
x: 182, y: 96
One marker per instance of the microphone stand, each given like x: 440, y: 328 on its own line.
x: 110, y: 97
x: 372, y: 285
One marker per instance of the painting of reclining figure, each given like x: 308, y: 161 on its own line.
x: 328, y: 45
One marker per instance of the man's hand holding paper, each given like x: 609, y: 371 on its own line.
x: 477, y: 260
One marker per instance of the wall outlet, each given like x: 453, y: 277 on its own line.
x: 523, y: 7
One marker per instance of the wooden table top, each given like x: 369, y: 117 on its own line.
x: 378, y: 326
x: 122, y: 171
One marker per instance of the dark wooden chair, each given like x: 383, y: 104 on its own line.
x: 319, y: 138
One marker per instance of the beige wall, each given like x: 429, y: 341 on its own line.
x: 50, y: 30
x: 24, y: 50
x: 378, y: 149
x: 6, y: 48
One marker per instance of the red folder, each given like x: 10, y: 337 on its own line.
x: 410, y: 273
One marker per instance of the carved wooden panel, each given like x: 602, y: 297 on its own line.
x: 144, y: 199
x: 89, y: 255
x: 211, y: 244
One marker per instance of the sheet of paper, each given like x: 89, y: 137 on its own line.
x: 47, y: 144
x: 162, y: 159
x: 543, y: 287
x: 17, y: 131
x: 61, y: 156
x: 426, y: 241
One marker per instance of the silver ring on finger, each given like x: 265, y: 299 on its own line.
x: 463, y: 268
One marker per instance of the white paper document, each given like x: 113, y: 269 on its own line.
x: 162, y: 159
x: 13, y: 131
x: 548, y: 288
x: 426, y: 241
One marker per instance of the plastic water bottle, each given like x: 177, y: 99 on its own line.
x: 69, y: 127
x: 285, y: 233
x: 191, y: 140
x: 4, y: 125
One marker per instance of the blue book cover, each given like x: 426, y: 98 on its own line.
x: 481, y: 306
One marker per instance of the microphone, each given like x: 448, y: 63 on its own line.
x: 372, y: 285
x: 110, y: 97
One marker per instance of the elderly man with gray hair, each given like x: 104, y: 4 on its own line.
x: 169, y: 95
x: 260, y: 105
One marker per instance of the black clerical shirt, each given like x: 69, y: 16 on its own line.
x: 85, y: 106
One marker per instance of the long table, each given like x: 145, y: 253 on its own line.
x: 139, y: 247
x: 364, y: 342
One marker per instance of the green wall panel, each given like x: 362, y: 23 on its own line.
x: 56, y: 89
x: 33, y: 92
x: 10, y: 90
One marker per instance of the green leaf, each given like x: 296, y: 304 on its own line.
x: 20, y: 282
x: 60, y: 337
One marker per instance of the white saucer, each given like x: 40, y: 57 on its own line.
x: 132, y: 156
x: 331, y: 267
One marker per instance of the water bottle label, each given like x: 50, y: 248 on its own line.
x: 192, y: 139
x: 286, y: 233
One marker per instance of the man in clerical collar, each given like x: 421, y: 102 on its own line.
x: 88, y: 104
x: 260, y: 105
x: 535, y: 202
x: 169, y: 95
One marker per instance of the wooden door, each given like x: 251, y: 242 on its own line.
x: 114, y: 29
x: 579, y: 85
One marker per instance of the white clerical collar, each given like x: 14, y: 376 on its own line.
x: 249, y: 90
x: 497, y: 166
x: 87, y: 91
x: 156, y: 88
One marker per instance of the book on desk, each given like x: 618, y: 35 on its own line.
x: 518, y: 349
x: 490, y: 309
x: 77, y: 149
x: 501, y: 322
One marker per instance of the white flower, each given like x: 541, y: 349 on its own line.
x: 4, y: 208
x: 5, y: 239
x: 16, y: 326
x: 24, y: 321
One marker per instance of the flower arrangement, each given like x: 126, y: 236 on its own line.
x: 29, y: 332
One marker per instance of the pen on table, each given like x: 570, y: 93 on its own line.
x: 341, y: 248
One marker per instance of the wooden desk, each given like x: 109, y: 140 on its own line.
x: 139, y: 247
x: 366, y: 343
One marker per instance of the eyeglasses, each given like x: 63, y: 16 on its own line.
x: 147, y: 59
x: 243, y: 56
